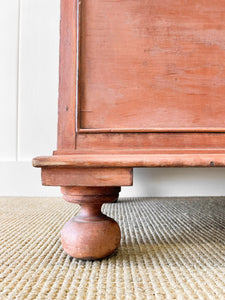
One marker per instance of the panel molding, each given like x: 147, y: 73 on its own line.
x: 151, y: 130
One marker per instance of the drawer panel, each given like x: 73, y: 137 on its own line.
x: 153, y: 65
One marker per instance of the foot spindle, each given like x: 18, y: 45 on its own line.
x: 91, y: 234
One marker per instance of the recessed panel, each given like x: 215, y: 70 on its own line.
x: 152, y: 65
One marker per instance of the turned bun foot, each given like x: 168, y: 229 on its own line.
x: 90, y: 240
x: 91, y: 234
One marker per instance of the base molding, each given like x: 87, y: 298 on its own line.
x: 70, y: 176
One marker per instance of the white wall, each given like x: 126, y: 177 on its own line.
x: 29, y: 51
x: 29, y: 44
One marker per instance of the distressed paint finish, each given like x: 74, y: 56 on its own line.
x: 150, y: 84
x: 91, y: 234
x: 153, y: 141
x: 67, y: 176
x: 152, y: 65
x: 106, y: 160
x: 67, y: 75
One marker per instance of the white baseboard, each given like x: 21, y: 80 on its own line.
x: 21, y: 179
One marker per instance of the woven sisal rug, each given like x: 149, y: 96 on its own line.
x: 171, y: 249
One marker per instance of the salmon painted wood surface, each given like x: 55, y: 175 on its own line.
x: 142, y: 84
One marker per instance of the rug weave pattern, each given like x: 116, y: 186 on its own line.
x: 171, y: 248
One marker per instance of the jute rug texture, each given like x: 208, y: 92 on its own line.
x: 171, y: 248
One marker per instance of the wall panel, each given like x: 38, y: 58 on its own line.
x: 39, y: 56
x: 9, y: 24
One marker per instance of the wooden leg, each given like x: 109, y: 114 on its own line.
x: 91, y: 234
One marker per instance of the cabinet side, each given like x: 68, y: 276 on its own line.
x: 67, y: 76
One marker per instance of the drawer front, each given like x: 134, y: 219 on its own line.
x: 151, y: 66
